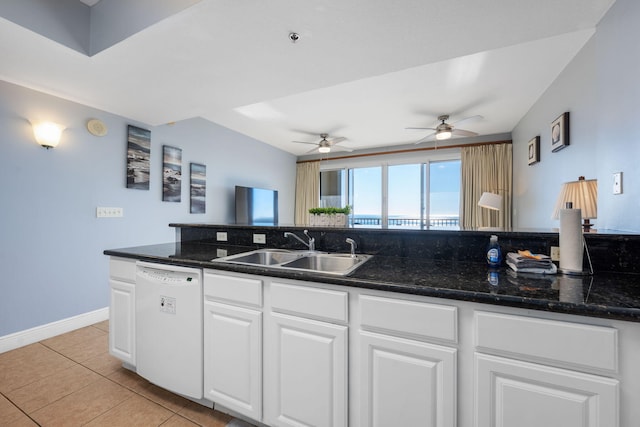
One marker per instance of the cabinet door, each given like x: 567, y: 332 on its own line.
x: 305, y: 372
x: 233, y: 358
x: 122, y: 325
x: 514, y: 393
x: 406, y: 383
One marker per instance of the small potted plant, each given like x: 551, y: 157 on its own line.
x: 329, y: 217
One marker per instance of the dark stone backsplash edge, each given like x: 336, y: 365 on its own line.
x: 618, y: 253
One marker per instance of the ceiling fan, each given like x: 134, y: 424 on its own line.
x: 325, y: 145
x: 446, y: 130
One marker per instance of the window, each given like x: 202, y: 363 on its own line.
x: 365, y: 196
x: 404, y: 195
x: 405, y: 199
x: 332, y: 189
x: 444, y: 194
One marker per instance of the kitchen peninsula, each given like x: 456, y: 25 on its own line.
x: 422, y: 320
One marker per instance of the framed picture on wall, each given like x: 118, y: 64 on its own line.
x: 560, y: 132
x: 198, y: 188
x: 138, y: 153
x: 171, y: 174
x: 534, y: 150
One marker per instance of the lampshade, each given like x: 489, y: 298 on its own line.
x: 47, y: 134
x: 490, y: 201
x: 583, y: 194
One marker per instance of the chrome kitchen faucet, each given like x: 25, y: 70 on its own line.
x: 312, y: 242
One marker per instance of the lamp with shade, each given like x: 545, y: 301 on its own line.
x: 583, y: 195
x: 490, y: 201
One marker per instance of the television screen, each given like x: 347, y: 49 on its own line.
x: 256, y: 206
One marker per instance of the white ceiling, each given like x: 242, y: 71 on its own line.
x: 362, y: 69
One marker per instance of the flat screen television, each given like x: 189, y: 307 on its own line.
x: 256, y: 206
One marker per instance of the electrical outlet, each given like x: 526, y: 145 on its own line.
x: 555, y: 253
x: 221, y: 253
x: 102, y: 212
x: 617, y: 183
x: 221, y: 236
x: 260, y: 238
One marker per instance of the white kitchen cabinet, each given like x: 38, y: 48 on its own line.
x: 305, y: 359
x: 305, y: 372
x: 233, y: 358
x: 122, y: 310
x: 406, y: 382
x: 403, y: 378
x: 543, y: 372
x: 233, y: 342
x: 510, y: 392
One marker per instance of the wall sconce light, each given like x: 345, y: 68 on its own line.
x: 583, y: 194
x: 47, y: 134
x: 490, y: 201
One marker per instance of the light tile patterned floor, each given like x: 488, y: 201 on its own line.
x: 71, y: 380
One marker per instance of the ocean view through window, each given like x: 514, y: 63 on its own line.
x: 401, y: 196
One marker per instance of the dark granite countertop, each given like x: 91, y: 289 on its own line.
x: 607, y: 295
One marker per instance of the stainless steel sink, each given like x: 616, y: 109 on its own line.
x: 318, y: 262
x: 341, y: 264
x: 263, y: 257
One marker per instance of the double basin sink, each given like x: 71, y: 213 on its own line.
x: 318, y: 262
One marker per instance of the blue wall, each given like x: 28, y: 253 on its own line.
x: 51, y: 241
x: 600, y: 89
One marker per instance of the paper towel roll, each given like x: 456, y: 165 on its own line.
x: 571, y: 241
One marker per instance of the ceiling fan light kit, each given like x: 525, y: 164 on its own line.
x: 445, y: 130
x: 324, y: 145
x: 443, y: 134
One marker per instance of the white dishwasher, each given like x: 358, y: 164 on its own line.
x: 169, y: 327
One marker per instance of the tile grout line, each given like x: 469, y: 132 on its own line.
x: 100, y: 375
x: 19, y: 408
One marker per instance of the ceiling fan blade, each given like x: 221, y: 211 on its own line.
x: 306, y: 132
x: 466, y: 119
x: 425, y: 139
x: 462, y: 132
x: 420, y: 128
x: 341, y: 148
x: 313, y: 150
x: 336, y: 140
x: 305, y: 142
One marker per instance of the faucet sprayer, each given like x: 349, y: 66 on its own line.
x: 353, y: 247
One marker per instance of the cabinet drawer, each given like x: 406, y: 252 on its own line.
x: 122, y: 269
x: 235, y: 289
x: 413, y: 319
x: 304, y: 301
x: 566, y: 344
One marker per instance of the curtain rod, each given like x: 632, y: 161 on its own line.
x: 408, y: 150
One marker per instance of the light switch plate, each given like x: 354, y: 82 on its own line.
x: 617, y: 183
x: 221, y: 236
x: 260, y: 238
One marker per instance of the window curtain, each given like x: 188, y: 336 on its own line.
x: 486, y: 168
x: 307, y: 190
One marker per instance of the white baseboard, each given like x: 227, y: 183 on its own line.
x: 39, y: 333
